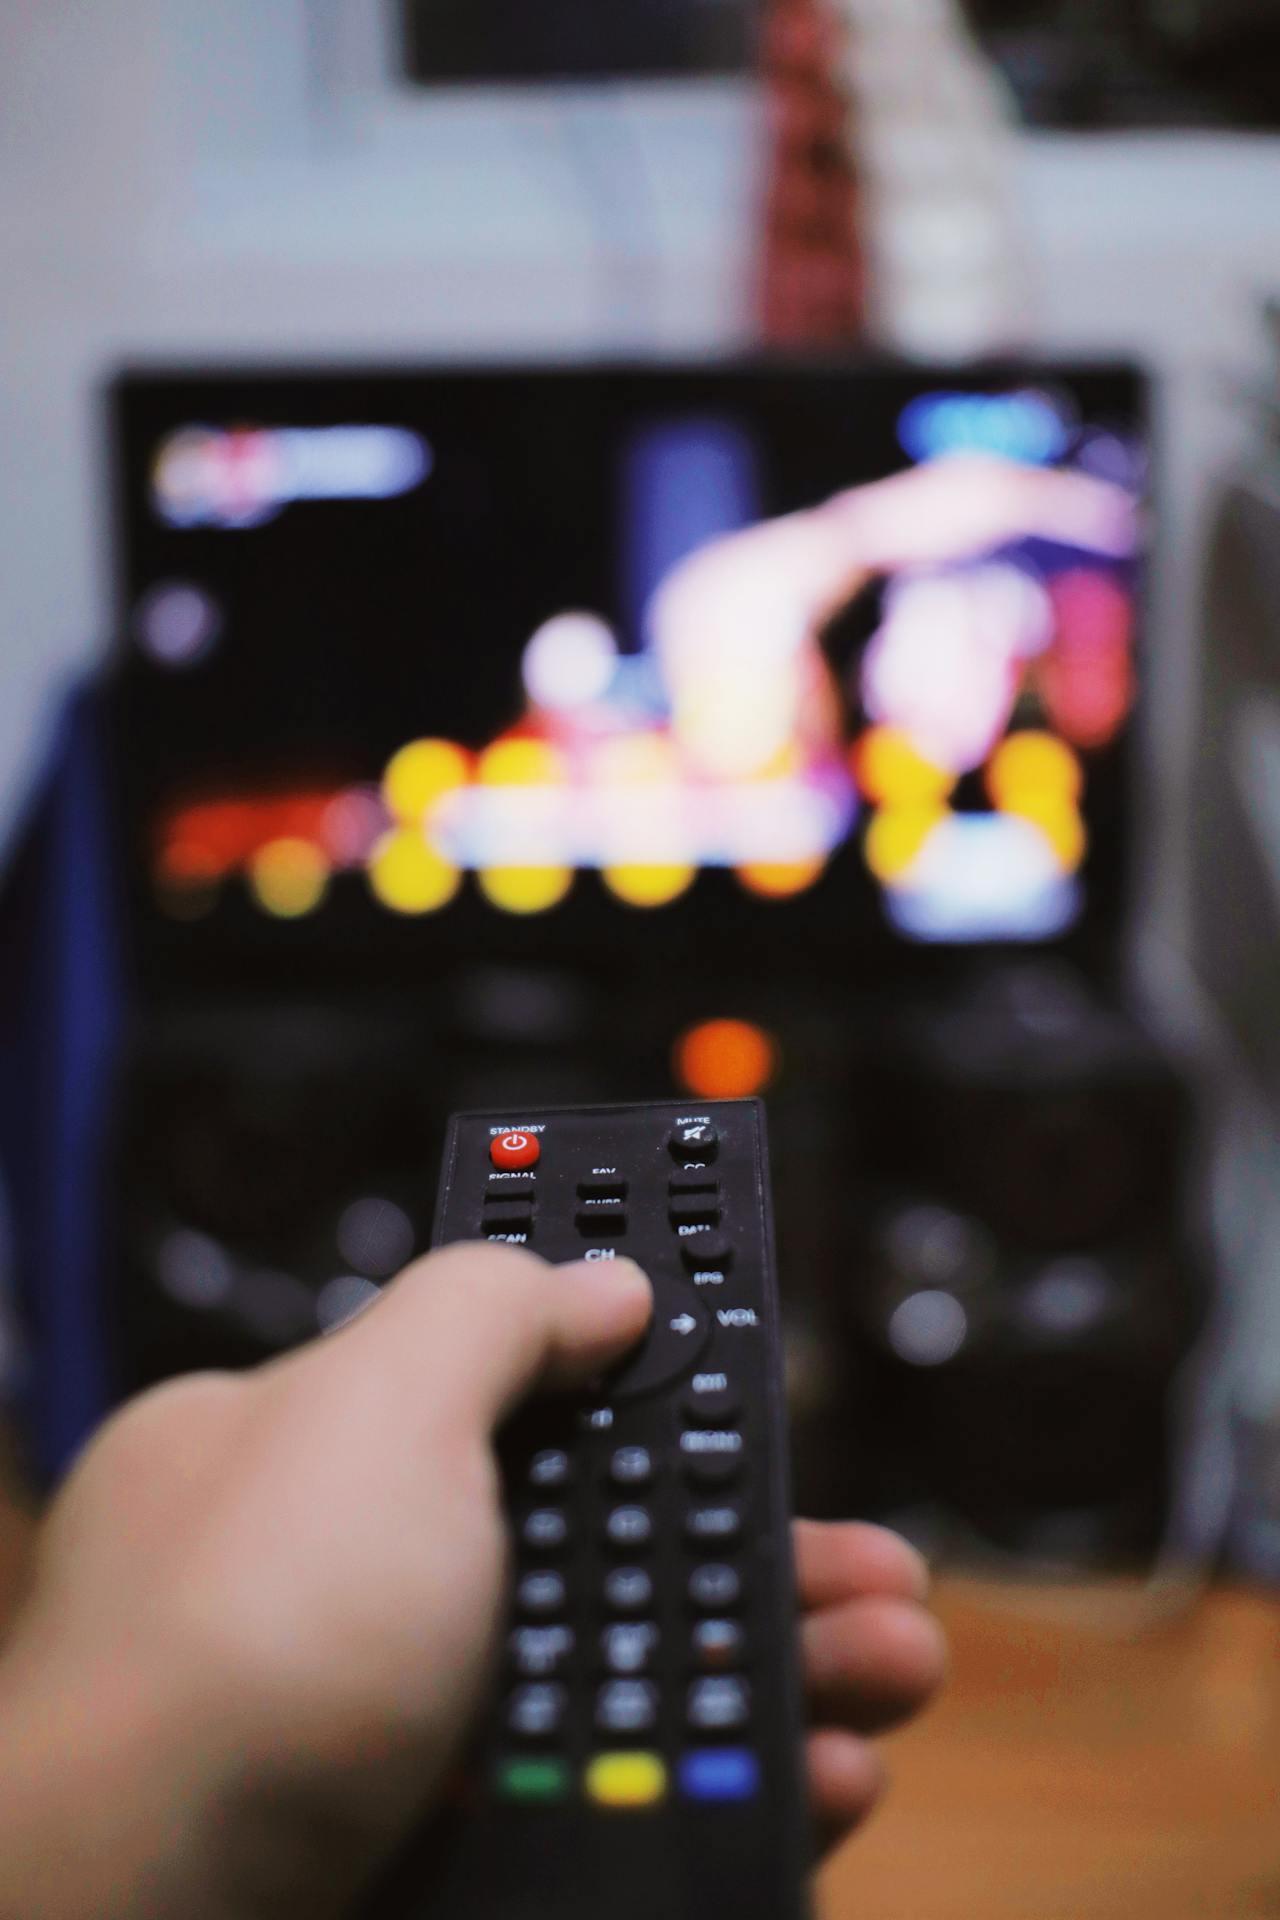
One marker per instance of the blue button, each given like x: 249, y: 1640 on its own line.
x: 720, y: 1773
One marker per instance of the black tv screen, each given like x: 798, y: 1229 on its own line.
x: 826, y: 660
x: 451, y: 41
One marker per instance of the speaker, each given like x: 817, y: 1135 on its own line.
x: 1021, y: 1293
x: 1235, y: 848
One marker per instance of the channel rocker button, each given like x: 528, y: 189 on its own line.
x: 511, y: 1151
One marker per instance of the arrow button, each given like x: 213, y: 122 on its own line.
x: 672, y: 1348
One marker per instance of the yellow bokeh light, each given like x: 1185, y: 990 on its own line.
x: 779, y: 879
x: 525, y: 889
x: 641, y: 885
x: 520, y: 763
x: 409, y: 876
x: 1030, y: 766
x: 895, y: 839
x: 892, y: 771
x: 288, y: 878
x: 417, y: 776
x: 1060, y: 823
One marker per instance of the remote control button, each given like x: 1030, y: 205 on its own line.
x: 503, y: 1212
x: 721, y: 1703
x: 694, y: 1209
x: 627, y: 1706
x: 714, y: 1588
x: 514, y: 1151
x: 711, y: 1401
x: 595, y: 1419
x: 545, y: 1530
x: 600, y: 1219
x: 538, y: 1653
x: 551, y: 1467
x: 506, y: 1186
x: 629, y: 1527
x: 712, y: 1455
x: 705, y: 1183
x: 602, y: 1186
x: 628, y: 1590
x: 628, y: 1647
x: 705, y: 1249
x: 720, y: 1773
x: 713, y: 1527
x: 533, y: 1782
x: 537, y: 1711
x: 694, y: 1140
x: 670, y: 1349
x: 622, y: 1780
x: 543, y: 1592
x: 631, y: 1467
x: 718, y: 1643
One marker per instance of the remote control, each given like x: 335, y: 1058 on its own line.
x: 644, y: 1757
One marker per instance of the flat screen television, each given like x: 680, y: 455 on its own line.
x: 824, y: 665
x: 469, y: 41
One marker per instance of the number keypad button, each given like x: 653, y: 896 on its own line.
x: 716, y: 1528
x: 720, y: 1703
x: 718, y: 1643
x: 627, y: 1706
x: 537, y: 1712
x: 551, y: 1467
x: 628, y: 1647
x: 542, y: 1592
x: 545, y: 1530
x: 628, y: 1590
x: 715, y: 1588
x: 631, y: 1467
x: 628, y: 1528
x: 538, y: 1653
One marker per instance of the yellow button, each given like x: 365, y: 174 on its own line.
x: 626, y: 1780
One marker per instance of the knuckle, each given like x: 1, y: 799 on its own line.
x: 191, y: 1397
x: 483, y: 1263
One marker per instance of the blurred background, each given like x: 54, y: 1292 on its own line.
x: 728, y: 546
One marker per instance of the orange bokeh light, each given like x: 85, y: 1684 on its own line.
x: 726, y: 1059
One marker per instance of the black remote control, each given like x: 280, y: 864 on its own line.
x: 644, y: 1759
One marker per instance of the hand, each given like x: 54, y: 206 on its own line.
x: 730, y: 622
x: 265, y: 1606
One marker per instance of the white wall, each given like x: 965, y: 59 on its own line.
x: 199, y: 181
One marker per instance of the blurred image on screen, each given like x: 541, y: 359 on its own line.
x: 851, y: 646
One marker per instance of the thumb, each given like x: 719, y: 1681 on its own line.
x: 471, y: 1329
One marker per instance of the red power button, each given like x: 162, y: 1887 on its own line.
x: 515, y: 1150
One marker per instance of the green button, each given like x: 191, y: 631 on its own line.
x: 532, y: 1780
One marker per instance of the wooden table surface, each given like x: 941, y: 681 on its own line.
x: 1099, y: 1754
